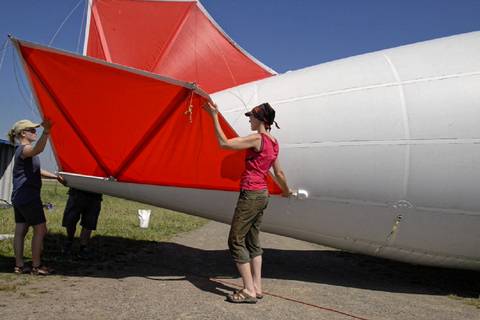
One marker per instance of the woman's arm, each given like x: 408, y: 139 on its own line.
x: 29, y: 151
x: 49, y: 175
x: 238, y: 143
x: 281, y: 179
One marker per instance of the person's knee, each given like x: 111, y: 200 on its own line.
x: 21, y: 229
x: 40, y: 230
x: 238, y: 250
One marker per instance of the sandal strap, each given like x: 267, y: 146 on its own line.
x: 241, y: 296
x: 258, y: 296
x: 42, y: 270
x: 22, y: 269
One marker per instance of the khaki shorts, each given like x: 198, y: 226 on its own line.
x: 243, y: 240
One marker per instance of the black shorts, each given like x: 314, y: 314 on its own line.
x: 31, y: 213
x: 80, y: 207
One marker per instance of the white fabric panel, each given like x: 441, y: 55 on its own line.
x: 6, y: 159
x: 374, y: 114
x: 367, y: 173
x: 440, y: 57
x: 440, y: 233
x: 448, y: 108
x: 445, y: 176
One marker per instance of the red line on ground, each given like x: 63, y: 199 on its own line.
x: 293, y: 300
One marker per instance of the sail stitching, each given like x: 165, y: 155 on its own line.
x: 101, y: 34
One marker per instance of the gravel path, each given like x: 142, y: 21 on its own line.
x: 189, y: 277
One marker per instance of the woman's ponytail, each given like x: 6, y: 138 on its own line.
x: 11, y: 136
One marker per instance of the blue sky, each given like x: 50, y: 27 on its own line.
x: 283, y: 34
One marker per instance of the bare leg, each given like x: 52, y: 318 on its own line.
x: 21, y: 230
x: 71, y: 233
x: 85, y: 236
x: 245, y: 272
x: 256, y: 268
x: 39, y: 232
x: 67, y: 245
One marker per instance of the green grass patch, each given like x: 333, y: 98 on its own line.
x: 470, y: 301
x: 118, y: 236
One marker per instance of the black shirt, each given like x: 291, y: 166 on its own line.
x: 27, y: 180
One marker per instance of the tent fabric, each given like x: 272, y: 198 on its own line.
x: 7, y: 152
x: 171, y: 38
x: 136, y: 127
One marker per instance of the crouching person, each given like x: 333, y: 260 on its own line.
x: 85, y: 207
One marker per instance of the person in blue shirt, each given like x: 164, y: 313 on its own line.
x: 27, y: 183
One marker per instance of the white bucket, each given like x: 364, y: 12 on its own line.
x: 144, y: 217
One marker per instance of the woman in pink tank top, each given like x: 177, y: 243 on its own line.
x: 243, y: 240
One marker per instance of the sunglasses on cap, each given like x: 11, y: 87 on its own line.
x: 31, y: 130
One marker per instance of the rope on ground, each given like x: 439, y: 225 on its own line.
x: 292, y: 300
x: 268, y: 294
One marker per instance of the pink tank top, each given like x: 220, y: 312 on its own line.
x: 258, y: 164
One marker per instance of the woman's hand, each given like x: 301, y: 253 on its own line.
x: 287, y: 193
x: 61, y: 180
x: 211, y: 108
x: 47, y: 125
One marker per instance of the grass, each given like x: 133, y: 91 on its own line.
x: 470, y: 301
x: 118, y: 235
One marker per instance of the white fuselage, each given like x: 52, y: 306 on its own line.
x: 387, y: 145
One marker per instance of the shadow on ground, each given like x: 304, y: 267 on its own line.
x: 117, y: 257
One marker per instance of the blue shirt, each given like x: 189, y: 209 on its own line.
x: 27, y: 180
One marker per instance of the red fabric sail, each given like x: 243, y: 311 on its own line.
x: 177, y: 39
x: 111, y: 121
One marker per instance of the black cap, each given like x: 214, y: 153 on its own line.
x: 265, y: 113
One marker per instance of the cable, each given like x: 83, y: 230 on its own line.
x: 84, y: 23
x: 4, y: 49
x: 64, y: 21
x: 264, y: 293
x: 292, y: 300
x: 19, y: 85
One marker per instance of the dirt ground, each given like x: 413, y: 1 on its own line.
x: 188, y: 278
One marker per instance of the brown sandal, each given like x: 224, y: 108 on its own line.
x: 241, y: 297
x: 42, y: 270
x: 21, y: 270
x: 259, y: 296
